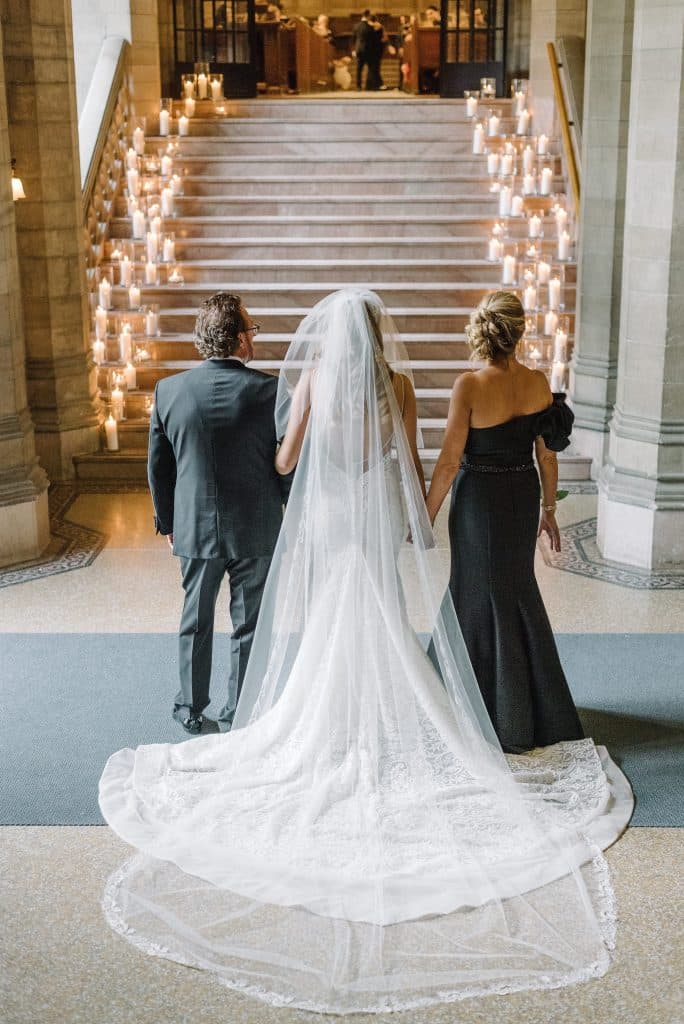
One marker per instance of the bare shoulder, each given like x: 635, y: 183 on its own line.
x: 540, y: 385
x: 465, y: 386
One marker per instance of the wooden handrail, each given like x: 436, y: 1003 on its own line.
x: 564, y: 124
x: 110, y: 106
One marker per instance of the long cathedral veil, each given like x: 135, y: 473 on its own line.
x: 359, y: 842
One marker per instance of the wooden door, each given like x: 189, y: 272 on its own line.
x: 221, y: 32
x: 473, y: 44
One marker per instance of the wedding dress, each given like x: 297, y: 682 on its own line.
x: 359, y: 842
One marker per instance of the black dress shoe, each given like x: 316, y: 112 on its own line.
x: 190, y: 720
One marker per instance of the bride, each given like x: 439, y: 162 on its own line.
x: 359, y: 842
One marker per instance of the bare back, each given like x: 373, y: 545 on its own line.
x: 499, y: 393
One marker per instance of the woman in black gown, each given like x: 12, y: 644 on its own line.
x: 496, y: 416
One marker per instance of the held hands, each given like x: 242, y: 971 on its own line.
x: 549, y: 526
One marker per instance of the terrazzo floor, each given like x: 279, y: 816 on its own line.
x: 61, y: 964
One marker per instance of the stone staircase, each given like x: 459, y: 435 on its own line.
x: 285, y: 201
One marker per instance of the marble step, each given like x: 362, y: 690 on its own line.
x: 385, y: 130
x: 334, y: 109
x: 409, y: 319
x: 319, y: 165
x: 274, y: 346
x: 334, y: 184
x: 328, y: 146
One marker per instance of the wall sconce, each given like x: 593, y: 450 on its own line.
x: 17, y: 186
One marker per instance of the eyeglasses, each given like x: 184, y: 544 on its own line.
x: 254, y: 329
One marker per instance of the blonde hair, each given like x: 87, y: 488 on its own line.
x: 496, y: 326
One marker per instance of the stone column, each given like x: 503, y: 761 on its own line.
x: 145, y: 66
x: 593, y: 373
x: 41, y: 100
x: 24, y: 523
x: 641, y: 488
x: 550, y: 20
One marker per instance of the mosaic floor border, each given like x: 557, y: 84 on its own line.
x: 71, y: 546
x: 581, y: 556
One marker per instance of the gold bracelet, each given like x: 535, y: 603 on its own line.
x: 549, y: 508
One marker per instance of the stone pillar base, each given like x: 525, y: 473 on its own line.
x: 593, y: 444
x: 56, y: 449
x: 24, y: 530
x: 649, y: 538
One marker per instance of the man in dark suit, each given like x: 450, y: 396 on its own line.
x: 363, y: 46
x: 217, y: 497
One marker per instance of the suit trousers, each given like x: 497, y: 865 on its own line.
x: 362, y: 62
x: 202, y: 578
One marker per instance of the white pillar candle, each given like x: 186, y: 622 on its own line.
x: 534, y: 226
x: 105, y: 294
x: 134, y: 296
x: 542, y: 145
x: 139, y: 141
x: 505, y: 201
x: 176, y: 276
x: 507, y: 163
x: 528, y: 185
x: 131, y: 159
x: 133, y: 181
x: 471, y: 106
x: 550, y: 323
x: 150, y: 272
x: 493, y: 125
x: 478, y: 139
x: 101, y: 323
x: 493, y: 161
x: 98, y: 352
x: 202, y: 86
x: 125, y: 343
x: 535, y: 356
x: 138, y: 224
x: 519, y: 98
x: 561, y: 220
x: 169, y: 251
x: 495, y: 249
x: 530, y: 299
x: 130, y: 376
x: 528, y: 160
x: 164, y: 122
x: 523, y: 125
x: 143, y: 355
x: 166, y: 166
x: 189, y: 108
x: 112, y: 434
x: 183, y: 125
x: 563, y: 245
x: 560, y: 346
x: 176, y: 183
x: 543, y: 272
x: 151, y: 323
x: 156, y: 225
x: 188, y: 87
x: 125, y: 272
x: 117, y: 403
x: 558, y: 377
x: 215, y: 90
x: 152, y: 245
x: 554, y: 293
x: 167, y: 201
x: 546, y: 181
x: 508, y: 275
x: 517, y: 206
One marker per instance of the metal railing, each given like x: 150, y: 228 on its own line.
x: 565, y: 125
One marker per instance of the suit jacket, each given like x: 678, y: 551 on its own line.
x: 363, y: 35
x: 211, y: 461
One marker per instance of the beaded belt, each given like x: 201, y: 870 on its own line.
x: 485, y: 468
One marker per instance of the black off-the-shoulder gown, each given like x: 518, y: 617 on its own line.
x: 493, y: 524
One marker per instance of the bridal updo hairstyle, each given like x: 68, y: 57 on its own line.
x: 218, y: 324
x: 496, y: 326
